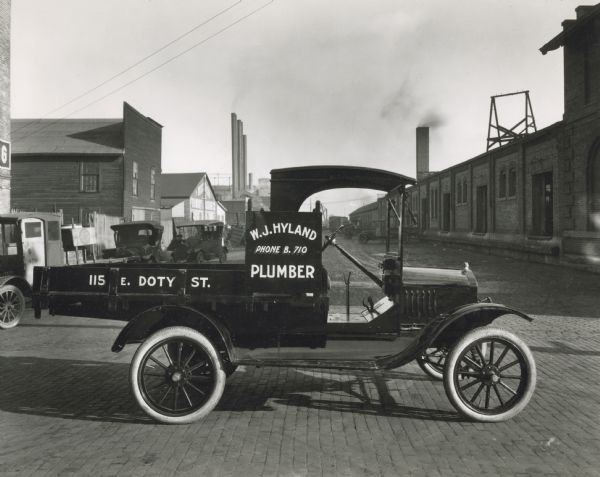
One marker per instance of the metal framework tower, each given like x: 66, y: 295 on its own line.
x: 499, y: 135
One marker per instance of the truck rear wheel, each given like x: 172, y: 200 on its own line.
x: 12, y: 306
x: 177, y: 376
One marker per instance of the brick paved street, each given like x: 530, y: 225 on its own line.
x: 66, y: 407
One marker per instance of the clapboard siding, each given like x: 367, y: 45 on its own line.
x: 49, y: 183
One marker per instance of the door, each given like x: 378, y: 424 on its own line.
x: 542, y: 217
x: 34, y: 250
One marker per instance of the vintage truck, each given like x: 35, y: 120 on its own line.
x: 27, y: 239
x: 197, y: 322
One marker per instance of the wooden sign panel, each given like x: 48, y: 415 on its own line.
x: 283, y: 252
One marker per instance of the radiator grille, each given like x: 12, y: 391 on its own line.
x: 420, y: 303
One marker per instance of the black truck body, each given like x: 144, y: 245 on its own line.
x: 274, y: 309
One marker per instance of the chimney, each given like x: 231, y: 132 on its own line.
x: 235, y: 153
x: 250, y: 180
x: 244, y: 164
x: 583, y: 10
x: 422, y: 152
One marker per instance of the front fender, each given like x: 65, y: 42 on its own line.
x: 447, y: 328
x: 444, y: 330
x: 150, y: 321
x: 18, y: 282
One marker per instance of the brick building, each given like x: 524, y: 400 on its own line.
x: 4, y: 106
x: 538, y: 195
x: 190, y: 196
x: 80, y: 166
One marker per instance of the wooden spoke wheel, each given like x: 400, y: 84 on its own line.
x: 490, y: 375
x: 433, y: 361
x: 177, y: 376
x: 12, y: 306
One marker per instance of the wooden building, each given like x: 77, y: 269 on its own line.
x: 190, y: 196
x: 81, y: 166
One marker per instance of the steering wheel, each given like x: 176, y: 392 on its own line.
x: 329, y: 239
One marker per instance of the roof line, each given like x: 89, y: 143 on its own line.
x: 527, y: 138
x: 569, y: 26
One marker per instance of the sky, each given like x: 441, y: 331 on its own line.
x: 315, y: 82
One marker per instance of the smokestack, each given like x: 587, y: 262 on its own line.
x: 249, y: 180
x: 235, y: 152
x: 422, y: 152
x: 244, y: 163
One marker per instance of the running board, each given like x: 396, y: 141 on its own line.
x: 364, y: 365
x: 391, y: 361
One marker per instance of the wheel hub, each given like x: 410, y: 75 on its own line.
x: 490, y: 374
x: 176, y: 376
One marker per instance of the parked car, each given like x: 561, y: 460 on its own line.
x: 137, y: 241
x: 198, y: 241
x: 26, y: 240
x: 197, y: 322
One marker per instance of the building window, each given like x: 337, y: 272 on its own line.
x: 152, y: 183
x: 89, y: 173
x: 465, y: 192
x: 135, y: 178
x: 459, y: 198
x: 512, y: 181
x: 502, y: 184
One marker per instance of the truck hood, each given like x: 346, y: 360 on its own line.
x: 438, y: 277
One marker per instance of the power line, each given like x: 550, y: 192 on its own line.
x: 195, y: 45
x: 129, y: 68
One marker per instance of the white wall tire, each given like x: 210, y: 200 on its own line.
x: 493, y: 385
x: 12, y: 306
x: 176, y: 375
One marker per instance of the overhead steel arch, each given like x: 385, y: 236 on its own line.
x: 290, y: 187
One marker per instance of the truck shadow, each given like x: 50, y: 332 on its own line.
x: 359, y: 392
x: 99, y: 391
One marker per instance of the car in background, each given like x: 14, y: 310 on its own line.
x: 198, y: 241
x: 137, y: 241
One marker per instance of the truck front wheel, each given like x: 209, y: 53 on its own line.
x: 490, y: 375
x: 177, y: 376
x: 12, y: 306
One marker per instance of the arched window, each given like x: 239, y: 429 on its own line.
x: 512, y: 181
x: 502, y: 184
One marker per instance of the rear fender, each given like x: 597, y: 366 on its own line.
x: 447, y: 328
x: 150, y: 321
